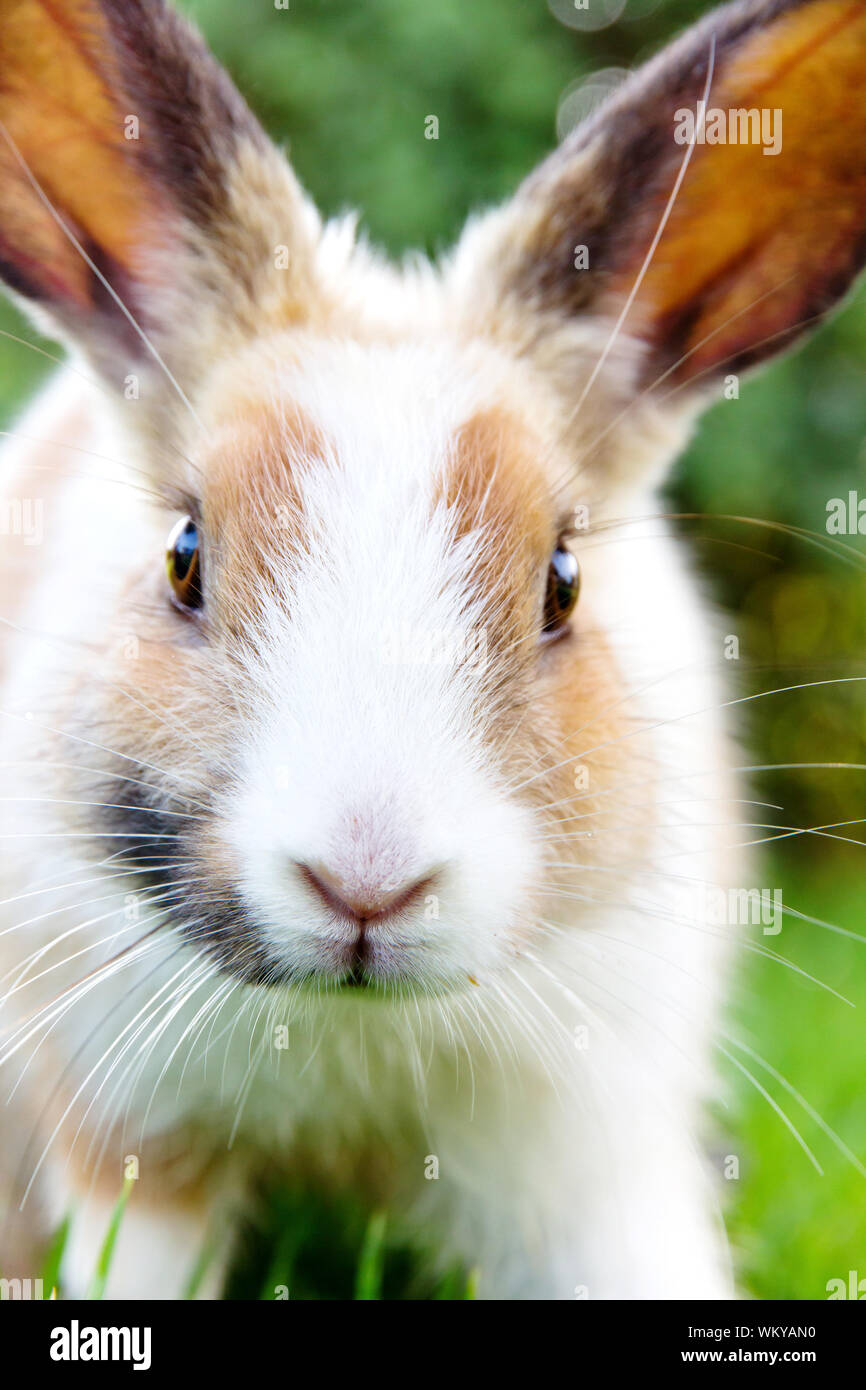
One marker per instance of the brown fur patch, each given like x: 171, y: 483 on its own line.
x: 253, y: 505
x: 495, y: 490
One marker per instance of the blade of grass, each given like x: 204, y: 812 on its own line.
x: 457, y: 1285
x: 371, y: 1264
x: 50, y: 1274
x: 206, y: 1257
x: 103, y: 1264
x: 281, y: 1268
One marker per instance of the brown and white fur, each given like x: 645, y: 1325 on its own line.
x: 376, y: 457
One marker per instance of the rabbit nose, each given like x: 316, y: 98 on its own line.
x: 367, y: 903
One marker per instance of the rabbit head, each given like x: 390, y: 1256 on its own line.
x: 394, y: 671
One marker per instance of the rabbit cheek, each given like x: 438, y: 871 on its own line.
x: 594, y: 798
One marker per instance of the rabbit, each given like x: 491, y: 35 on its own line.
x: 367, y: 760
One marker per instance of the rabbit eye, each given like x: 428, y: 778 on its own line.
x: 183, y: 561
x: 563, y: 587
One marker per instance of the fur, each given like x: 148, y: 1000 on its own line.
x: 380, y: 463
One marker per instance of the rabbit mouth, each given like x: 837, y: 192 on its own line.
x: 213, y: 917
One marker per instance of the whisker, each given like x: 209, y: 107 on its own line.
x: 690, y: 714
x: 774, y: 1105
x: 57, y: 1128
x: 810, y: 1109
x: 103, y: 805
x: 89, y: 743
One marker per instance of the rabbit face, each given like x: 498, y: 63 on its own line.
x: 369, y: 712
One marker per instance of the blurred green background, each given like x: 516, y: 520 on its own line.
x: 349, y: 86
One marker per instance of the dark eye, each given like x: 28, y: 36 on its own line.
x: 563, y: 587
x: 183, y: 561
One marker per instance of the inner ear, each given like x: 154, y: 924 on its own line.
x: 67, y: 174
x: 755, y: 246
x: 105, y: 110
x: 128, y: 160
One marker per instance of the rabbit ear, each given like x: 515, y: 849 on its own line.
x: 131, y: 170
x: 719, y: 232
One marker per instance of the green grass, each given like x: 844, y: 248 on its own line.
x: 792, y: 1228
x: 301, y: 1245
x: 295, y: 1245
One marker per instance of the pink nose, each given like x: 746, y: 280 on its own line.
x: 366, y: 903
